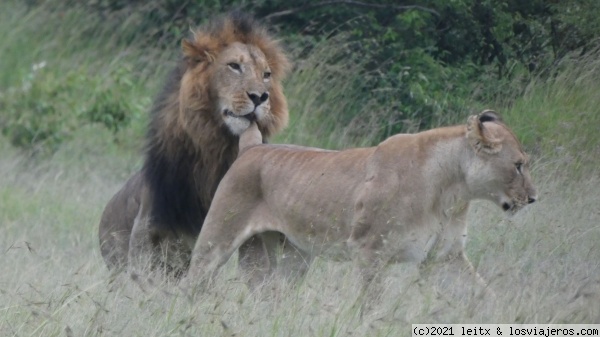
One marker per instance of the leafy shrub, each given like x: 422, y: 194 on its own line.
x: 45, y: 109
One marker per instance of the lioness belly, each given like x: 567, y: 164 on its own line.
x: 316, y: 210
x: 316, y: 226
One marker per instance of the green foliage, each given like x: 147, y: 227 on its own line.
x: 46, y: 108
x: 53, y: 85
x: 363, y: 70
x: 110, y: 105
x: 495, y: 34
x: 39, y: 110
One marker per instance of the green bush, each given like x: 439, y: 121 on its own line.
x: 361, y: 73
x: 46, y: 107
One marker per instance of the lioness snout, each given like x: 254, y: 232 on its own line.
x: 258, y: 99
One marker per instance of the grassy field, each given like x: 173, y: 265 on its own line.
x: 543, y: 264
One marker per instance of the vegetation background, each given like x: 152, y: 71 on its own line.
x: 77, y: 79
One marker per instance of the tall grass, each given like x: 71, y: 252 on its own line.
x: 330, y: 105
x: 560, y: 116
x: 543, y: 264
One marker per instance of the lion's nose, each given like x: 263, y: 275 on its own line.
x: 531, y: 199
x: 258, y: 99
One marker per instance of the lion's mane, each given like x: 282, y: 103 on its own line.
x: 188, y: 151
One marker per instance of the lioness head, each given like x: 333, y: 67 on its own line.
x: 239, y: 66
x: 500, y: 169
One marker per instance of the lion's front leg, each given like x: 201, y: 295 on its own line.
x: 144, y: 250
x: 144, y: 243
x: 117, y: 221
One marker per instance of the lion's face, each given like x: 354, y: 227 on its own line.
x: 233, y: 77
x: 241, y: 85
x: 500, y: 169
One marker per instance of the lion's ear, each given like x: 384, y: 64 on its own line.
x: 478, y: 136
x: 195, y: 54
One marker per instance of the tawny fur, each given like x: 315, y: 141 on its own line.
x: 403, y: 200
x: 193, y: 139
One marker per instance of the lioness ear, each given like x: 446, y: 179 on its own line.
x: 478, y: 136
x: 489, y: 116
x: 194, y: 54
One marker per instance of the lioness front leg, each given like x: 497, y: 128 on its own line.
x: 223, y: 232
x: 370, y: 266
x: 456, y: 276
x: 447, y: 265
x: 366, y: 246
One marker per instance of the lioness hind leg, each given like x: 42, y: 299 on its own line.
x: 268, y: 252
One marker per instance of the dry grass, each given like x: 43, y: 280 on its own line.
x: 543, y: 264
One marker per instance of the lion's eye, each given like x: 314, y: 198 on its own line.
x: 519, y: 167
x: 234, y: 66
x: 267, y: 75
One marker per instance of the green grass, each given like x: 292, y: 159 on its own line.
x: 543, y: 264
x: 560, y: 116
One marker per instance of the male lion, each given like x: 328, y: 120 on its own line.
x: 403, y: 200
x: 230, y: 75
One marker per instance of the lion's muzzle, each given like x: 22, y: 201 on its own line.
x: 249, y: 116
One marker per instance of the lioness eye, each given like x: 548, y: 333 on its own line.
x: 519, y: 167
x: 267, y: 75
x: 234, y: 66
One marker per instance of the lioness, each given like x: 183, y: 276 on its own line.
x: 403, y: 200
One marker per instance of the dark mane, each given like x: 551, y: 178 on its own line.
x: 168, y: 175
x: 175, y: 202
x: 187, y: 154
x: 174, y: 169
